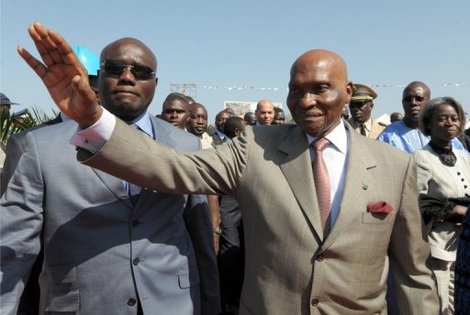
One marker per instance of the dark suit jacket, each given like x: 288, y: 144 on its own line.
x: 290, y: 268
x: 95, y: 241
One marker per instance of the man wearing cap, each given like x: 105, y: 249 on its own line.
x: 360, y: 106
x: 5, y: 103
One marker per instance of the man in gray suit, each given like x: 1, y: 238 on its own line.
x: 305, y: 254
x: 107, y: 250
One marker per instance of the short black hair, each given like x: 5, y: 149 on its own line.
x: 232, y: 124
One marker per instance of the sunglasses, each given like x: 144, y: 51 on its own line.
x: 116, y: 68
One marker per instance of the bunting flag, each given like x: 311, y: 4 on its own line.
x: 283, y: 89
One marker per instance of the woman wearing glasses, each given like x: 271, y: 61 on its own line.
x: 444, y: 185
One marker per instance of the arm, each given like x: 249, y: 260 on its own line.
x: 414, y: 286
x: 20, y: 227
x: 207, y: 172
x: 433, y: 209
x: 213, y: 202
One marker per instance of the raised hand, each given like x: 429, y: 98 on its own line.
x: 63, y: 74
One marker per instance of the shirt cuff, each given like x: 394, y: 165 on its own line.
x: 95, y: 137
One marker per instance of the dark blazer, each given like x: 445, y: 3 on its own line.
x: 101, y: 254
x: 289, y: 267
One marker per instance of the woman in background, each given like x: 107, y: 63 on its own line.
x: 444, y: 186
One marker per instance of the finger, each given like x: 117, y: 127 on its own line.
x: 66, y: 52
x: 82, y: 88
x: 37, y: 33
x: 36, y: 65
x: 46, y: 45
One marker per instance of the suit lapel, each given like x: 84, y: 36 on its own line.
x: 114, y: 184
x: 297, y: 161
x: 163, y: 135
x: 357, y: 182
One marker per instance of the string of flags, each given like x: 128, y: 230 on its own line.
x: 283, y: 89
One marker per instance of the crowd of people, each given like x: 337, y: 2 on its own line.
x: 108, y: 209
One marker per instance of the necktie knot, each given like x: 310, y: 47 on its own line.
x: 321, y: 144
x: 363, y: 129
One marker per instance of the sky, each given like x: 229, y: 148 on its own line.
x: 243, y: 50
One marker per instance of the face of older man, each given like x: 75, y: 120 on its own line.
x: 318, y: 91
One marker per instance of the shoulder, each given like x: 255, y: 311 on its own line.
x: 351, y: 122
x: 273, y: 133
x: 378, y: 150
x: 172, y: 136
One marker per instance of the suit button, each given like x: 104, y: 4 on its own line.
x: 131, y: 302
x: 136, y: 261
x: 314, y: 302
x: 135, y: 223
x: 320, y: 258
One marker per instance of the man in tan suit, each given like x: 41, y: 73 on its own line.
x: 360, y: 106
x: 295, y: 262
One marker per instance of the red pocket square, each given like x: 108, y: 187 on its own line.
x: 379, y: 207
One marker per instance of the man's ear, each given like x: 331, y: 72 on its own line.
x: 156, y: 81
x: 349, y: 91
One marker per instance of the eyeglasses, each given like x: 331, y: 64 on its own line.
x: 116, y: 67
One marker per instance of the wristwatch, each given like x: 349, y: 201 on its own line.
x: 217, y: 230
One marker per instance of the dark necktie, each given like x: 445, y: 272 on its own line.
x: 322, y: 183
x: 363, y: 130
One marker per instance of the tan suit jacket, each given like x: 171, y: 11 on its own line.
x: 375, y: 129
x: 290, y: 268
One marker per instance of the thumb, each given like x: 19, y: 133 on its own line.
x: 86, y: 108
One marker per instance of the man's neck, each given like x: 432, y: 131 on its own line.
x: 410, y: 122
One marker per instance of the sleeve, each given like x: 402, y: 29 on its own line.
x: 432, y: 209
x: 20, y: 227
x: 413, y: 283
x: 207, y: 172
x: 94, y: 137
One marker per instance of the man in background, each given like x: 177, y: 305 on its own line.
x: 264, y: 112
x: 197, y: 124
x: 279, y: 116
x: 175, y: 110
x: 217, y: 133
x: 360, y: 107
x: 250, y: 118
x: 405, y: 134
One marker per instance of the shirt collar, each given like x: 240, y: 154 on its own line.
x: 338, y: 137
x: 368, y: 124
x: 144, y: 123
